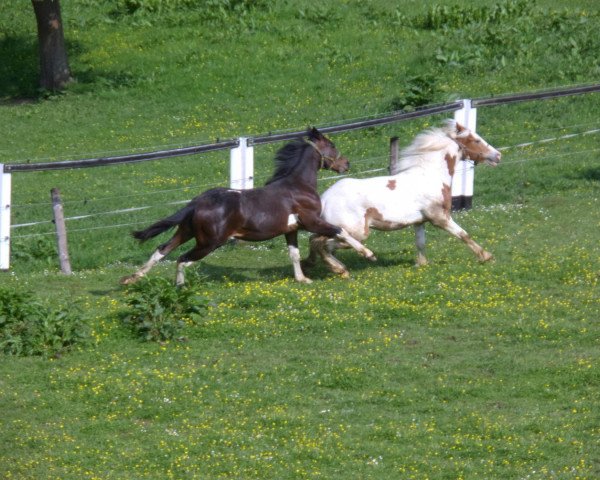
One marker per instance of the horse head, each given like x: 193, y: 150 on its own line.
x: 331, y: 159
x: 473, y: 147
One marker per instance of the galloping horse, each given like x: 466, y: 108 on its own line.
x: 288, y: 202
x: 419, y: 192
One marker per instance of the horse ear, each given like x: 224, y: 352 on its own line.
x: 314, y: 134
x: 459, y: 128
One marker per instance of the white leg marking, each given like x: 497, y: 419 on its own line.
x: 295, y: 257
x: 180, y: 277
x: 154, y: 259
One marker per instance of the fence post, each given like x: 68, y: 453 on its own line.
x: 393, y: 156
x: 241, y: 166
x: 462, y: 182
x: 5, y: 194
x: 61, y: 232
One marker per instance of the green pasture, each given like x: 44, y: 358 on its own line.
x: 458, y: 370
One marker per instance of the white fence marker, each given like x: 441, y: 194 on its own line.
x: 5, y: 193
x: 241, y: 166
x: 464, y: 176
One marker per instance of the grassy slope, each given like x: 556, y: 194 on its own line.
x: 458, y: 370
x: 455, y: 370
x: 180, y: 81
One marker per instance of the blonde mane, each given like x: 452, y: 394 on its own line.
x: 432, y: 140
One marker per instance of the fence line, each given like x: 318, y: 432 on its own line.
x: 105, y: 161
x: 464, y: 110
x: 543, y: 95
x: 469, y: 165
x: 553, y: 139
x: 271, y: 138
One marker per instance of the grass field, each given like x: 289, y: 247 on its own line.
x: 458, y: 370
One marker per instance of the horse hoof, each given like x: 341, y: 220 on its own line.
x: 129, y: 279
x: 487, y: 257
x: 304, y: 280
x: 372, y: 258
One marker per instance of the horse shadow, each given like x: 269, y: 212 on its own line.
x: 355, y: 263
x: 221, y: 272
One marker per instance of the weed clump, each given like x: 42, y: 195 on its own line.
x: 159, y: 311
x: 29, y: 327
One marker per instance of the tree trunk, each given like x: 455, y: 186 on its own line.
x: 54, y: 66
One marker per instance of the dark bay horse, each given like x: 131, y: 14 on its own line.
x: 288, y: 202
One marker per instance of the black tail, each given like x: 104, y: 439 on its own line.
x: 164, y: 224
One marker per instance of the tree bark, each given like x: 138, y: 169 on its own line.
x: 54, y: 66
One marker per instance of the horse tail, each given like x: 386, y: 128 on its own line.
x: 164, y: 224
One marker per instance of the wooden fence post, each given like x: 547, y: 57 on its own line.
x: 61, y: 232
x: 393, y: 156
x: 5, y: 194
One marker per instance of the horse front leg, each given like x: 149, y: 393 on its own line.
x: 454, y: 229
x: 345, y: 237
x: 315, y: 224
x: 292, y: 242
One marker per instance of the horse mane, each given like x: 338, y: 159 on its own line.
x: 286, y: 159
x: 432, y: 140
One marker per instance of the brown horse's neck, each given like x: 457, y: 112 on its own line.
x: 311, y: 166
x: 305, y: 171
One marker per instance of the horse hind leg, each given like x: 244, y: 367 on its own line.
x: 197, y: 253
x: 325, y: 248
x: 316, y: 250
x: 161, y: 252
x: 420, y: 243
x: 311, y: 260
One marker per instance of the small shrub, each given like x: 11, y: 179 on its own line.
x: 158, y: 310
x: 320, y: 14
x: 208, y: 9
x: 458, y: 16
x: 419, y: 90
x: 28, y: 327
x: 37, y: 249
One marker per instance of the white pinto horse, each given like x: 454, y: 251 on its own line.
x: 419, y: 192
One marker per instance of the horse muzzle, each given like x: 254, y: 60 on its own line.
x: 340, y: 165
x: 493, y: 160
